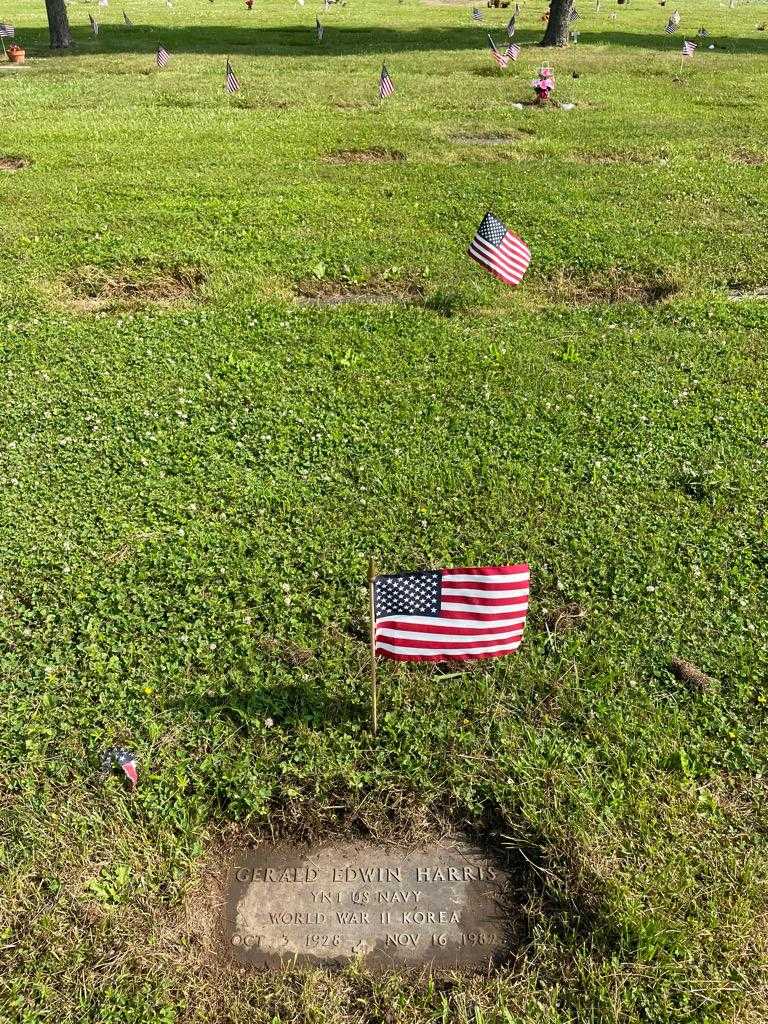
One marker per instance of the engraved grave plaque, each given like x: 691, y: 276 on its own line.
x: 436, y: 906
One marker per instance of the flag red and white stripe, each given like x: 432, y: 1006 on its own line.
x: 500, y: 251
x: 448, y: 614
x: 512, y: 51
x: 688, y: 48
x: 501, y: 58
x: 386, y: 85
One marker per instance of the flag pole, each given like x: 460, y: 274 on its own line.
x: 374, y: 684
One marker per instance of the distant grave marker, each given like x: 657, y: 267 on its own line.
x: 438, y: 906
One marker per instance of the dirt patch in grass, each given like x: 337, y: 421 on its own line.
x: 490, y: 138
x: 749, y: 158
x: 617, y: 157
x: 13, y: 163
x: 565, y: 618
x: 350, y: 105
x: 333, y: 292
x: 90, y: 288
x: 609, y: 286
x: 741, y: 292
x: 375, y: 155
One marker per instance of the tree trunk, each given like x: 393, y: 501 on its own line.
x: 58, y: 23
x: 559, y: 24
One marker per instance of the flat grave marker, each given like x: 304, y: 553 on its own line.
x: 436, y: 906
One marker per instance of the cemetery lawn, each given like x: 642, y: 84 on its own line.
x: 201, y: 443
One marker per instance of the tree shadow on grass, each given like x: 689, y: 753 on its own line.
x: 299, y: 40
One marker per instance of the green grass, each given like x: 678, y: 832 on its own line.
x: 190, y: 492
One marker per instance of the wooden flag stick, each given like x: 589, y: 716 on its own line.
x: 374, y: 684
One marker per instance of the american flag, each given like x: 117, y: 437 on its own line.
x: 127, y: 20
x: 511, y: 26
x: 162, y: 57
x: 672, y: 24
x: 517, y: 9
x: 451, y: 613
x: 501, y: 59
x: 688, y: 48
x: 386, y: 85
x: 124, y: 759
x: 7, y: 31
x: 477, y: 14
x: 319, y: 30
x: 574, y: 15
x: 94, y: 24
x: 702, y: 33
x: 501, y: 252
x: 231, y: 82
x: 512, y: 51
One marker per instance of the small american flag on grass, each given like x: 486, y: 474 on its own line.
x: 319, y: 30
x: 512, y: 51
x: 673, y: 23
x: 500, y: 251
x: 574, y: 15
x: 386, y: 85
x: 477, y: 14
x: 127, y: 20
x: 501, y: 59
x: 231, y: 83
x: 688, y: 48
x: 162, y: 57
x: 94, y: 24
x: 450, y: 614
x: 511, y: 26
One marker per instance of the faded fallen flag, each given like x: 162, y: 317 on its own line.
x: 501, y: 59
x: 449, y: 614
x: 688, y: 48
x: 231, y: 83
x: 162, y: 57
x: 500, y: 251
x: 386, y: 85
x: 124, y: 759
